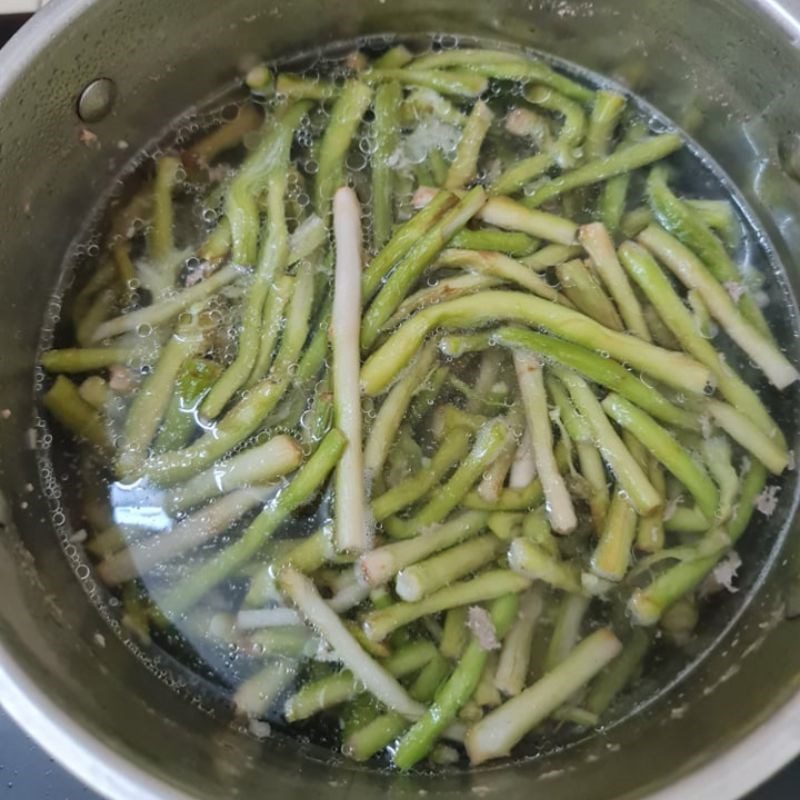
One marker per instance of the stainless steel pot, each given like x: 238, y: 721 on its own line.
x: 68, y: 679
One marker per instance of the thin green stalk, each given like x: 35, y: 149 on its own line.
x: 663, y: 445
x: 272, y: 263
x: 718, y: 456
x: 464, y: 167
x: 385, y: 128
x: 674, y: 369
x: 255, y: 696
x: 691, y: 271
x: 272, y: 322
x: 509, y: 500
x: 510, y: 243
x: 648, y: 604
x: 626, y: 469
x: 497, y: 733
x: 451, y: 82
x: 567, y: 629
x: 683, y: 222
x: 687, y: 520
x: 603, y: 371
x: 296, y: 87
x: 249, y: 413
x: 624, y: 159
x: 413, y: 264
x: 650, y: 534
x: 619, y: 673
x: 486, y: 586
x: 451, y: 452
x: 586, y: 294
x: 304, y: 485
x: 404, y: 238
x: 165, y: 309
x: 612, y: 556
x: 488, y: 442
x: 573, y: 126
x: 551, y: 256
x: 519, y: 175
x: 394, y: 58
x: 342, y: 686
x: 345, y: 118
x: 456, y: 691
x: 654, y: 283
x: 161, y: 242
x: 600, y: 247
x: 501, y: 266
x: 606, y: 113
x: 85, y: 359
x: 392, y: 411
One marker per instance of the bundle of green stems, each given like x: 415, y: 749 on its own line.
x: 503, y: 402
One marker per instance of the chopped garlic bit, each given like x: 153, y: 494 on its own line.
x: 767, y: 501
x: 671, y: 507
x: 734, y: 289
x: 482, y: 628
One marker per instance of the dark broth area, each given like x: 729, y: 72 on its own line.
x: 84, y: 496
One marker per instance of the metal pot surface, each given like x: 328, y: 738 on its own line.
x: 70, y: 681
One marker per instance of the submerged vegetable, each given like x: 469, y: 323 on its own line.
x: 377, y: 433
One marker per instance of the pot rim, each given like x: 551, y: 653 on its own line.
x: 746, y: 764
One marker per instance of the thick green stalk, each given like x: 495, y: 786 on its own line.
x: 535, y: 562
x: 551, y: 256
x: 379, y: 565
x: 515, y: 657
x: 740, y: 428
x: 454, y: 633
x: 619, y: 672
x: 503, y: 212
x: 612, y: 556
x: 256, y: 466
x: 510, y: 243
x: 497, y: 733
x: 303, y: 486
x: 425, y: 577
x: 567, y: 629
x: 64, y: 402
x: 624, y: 159
x: 509, y: 499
